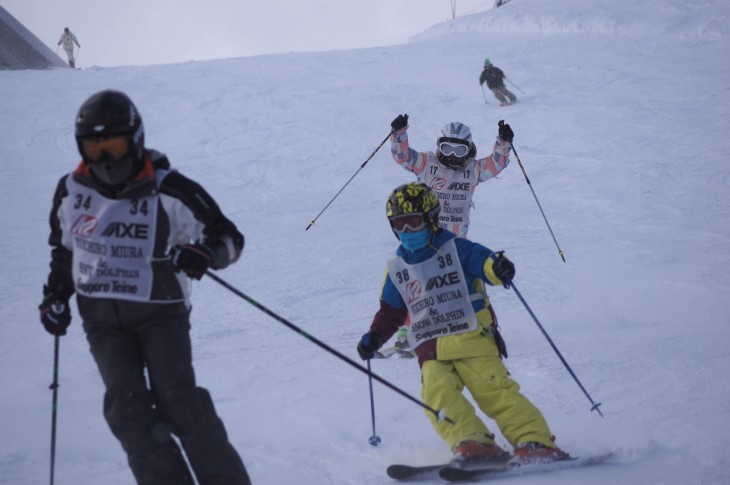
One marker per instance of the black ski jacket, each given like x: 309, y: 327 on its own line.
x: 185, y: 213
x: 493, y: 76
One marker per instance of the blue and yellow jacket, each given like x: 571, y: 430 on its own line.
x: 476, y: 261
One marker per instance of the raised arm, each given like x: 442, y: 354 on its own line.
x: 403, y: 154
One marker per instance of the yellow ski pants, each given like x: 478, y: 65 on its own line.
x: 494, y: 391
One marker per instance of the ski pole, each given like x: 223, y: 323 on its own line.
x: 54, y: 387
x: 441, y: 415
x: 374, y: 439
x: 513, y: 84
x: 595, y: 407
x: 346, y: 183
x: 560, y: 251
x: 77, y: 55
x: 484, y: 93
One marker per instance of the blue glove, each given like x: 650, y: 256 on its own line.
x: 369, y: 343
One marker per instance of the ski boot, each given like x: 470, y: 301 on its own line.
x: 470, y: 452
x: 401, y: 338
x: 401, y: 344
x: 533, y: 452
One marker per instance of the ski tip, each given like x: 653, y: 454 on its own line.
x: 405, y: 472
x: 457, y: 474
x: 398, y: 472
x: 598, y: 459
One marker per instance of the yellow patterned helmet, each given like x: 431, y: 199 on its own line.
x: 414, y: 198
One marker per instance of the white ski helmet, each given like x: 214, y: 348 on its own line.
x: 453, y: 136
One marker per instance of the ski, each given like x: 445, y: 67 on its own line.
x: 385, y: 353
x: 455, y: 474
x: 404, y: 472
x: 406, y: 353
x: 391, y: 351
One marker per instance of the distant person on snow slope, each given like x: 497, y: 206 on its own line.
x: 494, y: 77
x: 68, y: 39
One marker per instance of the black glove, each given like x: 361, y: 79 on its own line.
x: 369, y: 343
x: 400, y: 122
x: 503, y: 268
x: 505, y: 132
x: 55, y: 314
x: 192, y: 259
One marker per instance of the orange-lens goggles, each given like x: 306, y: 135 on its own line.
x: 116, y: 146
x: 408, y: 222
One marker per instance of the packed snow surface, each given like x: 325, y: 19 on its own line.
x: 622, y: 128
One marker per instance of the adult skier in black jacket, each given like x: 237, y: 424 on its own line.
x: 127, y: 234
x: 494, y: 77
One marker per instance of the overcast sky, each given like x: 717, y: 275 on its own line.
x: 140, y: 32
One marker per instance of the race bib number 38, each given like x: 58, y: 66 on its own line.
x: 436, y: 295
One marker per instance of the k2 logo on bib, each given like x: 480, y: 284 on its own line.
x: 84, y: 226
x: 438, y: 183
x: 413, y: 290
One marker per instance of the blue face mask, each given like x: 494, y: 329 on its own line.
x: 415, y: 240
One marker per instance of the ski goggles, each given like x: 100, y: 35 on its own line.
x: 116, y: 146
x: 408, y: 222
x: 457, y: 149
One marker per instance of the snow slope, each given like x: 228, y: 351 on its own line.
x: 623, y: 131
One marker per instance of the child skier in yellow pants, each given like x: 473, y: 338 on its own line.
x: 435, y: 279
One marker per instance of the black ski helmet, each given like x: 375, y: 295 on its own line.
x: 459, y: 133
x: 104, y: 115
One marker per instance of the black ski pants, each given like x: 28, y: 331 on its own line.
x: 503, y: 94
x: 144, y: 412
